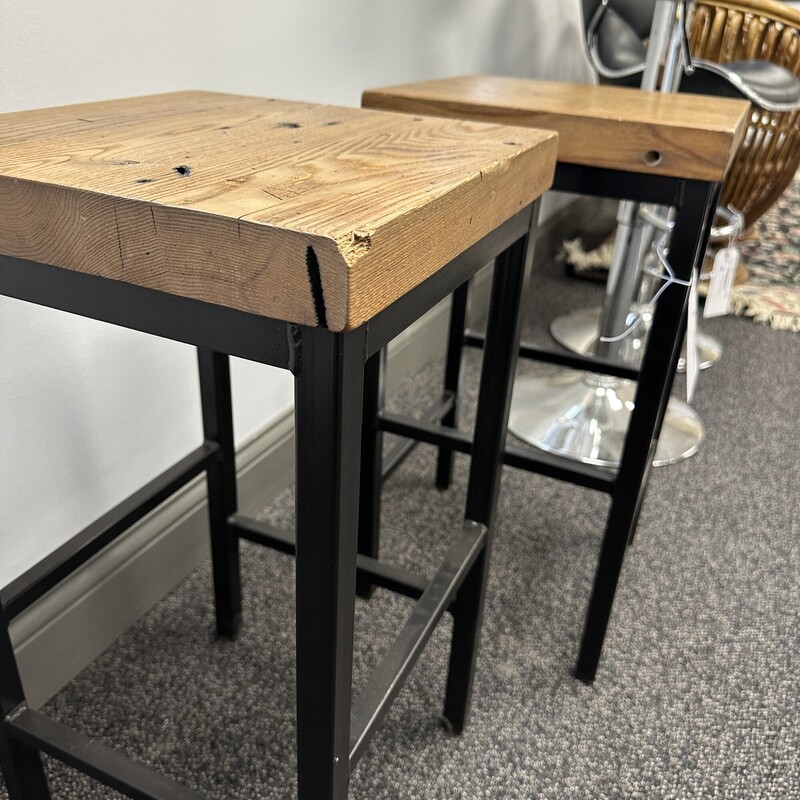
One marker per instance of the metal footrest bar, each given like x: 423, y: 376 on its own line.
x: 426, y: 432
x: 388, y: 677
x: 263, y: 533
x: 395, y: 457
x: 571, y: 360
x: 600, y: 478
x: 93, y: 758
x: 31, y: 585
x: 395, y: 579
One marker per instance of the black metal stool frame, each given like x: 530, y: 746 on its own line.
x: 695, y: 201
x: 329, y: 371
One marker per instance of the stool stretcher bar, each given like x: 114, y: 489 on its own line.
x: 436, y: 413
x: 572, y: 360
x: 433, y: 599
x: 32, y: 584
x: 387, y: 576
x: 93, y: 758
x: 601, y: 479
x: 425, y: 432
x: 388, y: 677
x: 422, y: 432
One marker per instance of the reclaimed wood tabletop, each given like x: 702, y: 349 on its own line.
x: 313, y: 214
x: 679, y: 135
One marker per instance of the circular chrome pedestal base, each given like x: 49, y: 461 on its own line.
x: 577, y: 331
x: 584, y: 417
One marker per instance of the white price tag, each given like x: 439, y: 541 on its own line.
x: 721, y: 284
x: 692, y: 362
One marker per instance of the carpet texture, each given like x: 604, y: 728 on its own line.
x: 697, y: 693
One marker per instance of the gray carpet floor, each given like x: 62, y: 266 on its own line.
x: 697, y: 694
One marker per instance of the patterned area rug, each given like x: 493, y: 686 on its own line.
x: 771, y: 292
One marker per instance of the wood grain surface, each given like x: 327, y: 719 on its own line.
x: 313, y: 214
x: 686, y: 136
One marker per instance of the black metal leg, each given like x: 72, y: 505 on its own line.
x: 215, y: 394
x: 655, y: 383
x: 662, y: 409
x: 369, y: 516
x: 708, y: 218
x: 452, y: 377
x: 641, y: 495
x: 328, y: 403
x: 21, y: 764
x: 497, y: 375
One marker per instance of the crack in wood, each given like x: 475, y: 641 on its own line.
x: 315, y: 280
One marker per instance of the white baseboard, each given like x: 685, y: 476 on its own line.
x: 78, y: 619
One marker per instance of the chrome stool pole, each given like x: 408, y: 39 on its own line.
x: 584, y: 416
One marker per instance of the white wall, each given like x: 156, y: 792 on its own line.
x: 88, y: 412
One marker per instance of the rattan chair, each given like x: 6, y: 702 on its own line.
x: 739, y: 48
x: 726, y: 31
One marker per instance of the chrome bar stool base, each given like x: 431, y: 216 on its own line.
x: 584, y: 416
x: 577, y: 331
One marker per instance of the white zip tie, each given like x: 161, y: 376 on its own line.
x: 669, y: 279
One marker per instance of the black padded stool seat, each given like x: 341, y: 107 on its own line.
x: 769, y: 86
x: 616, y: 34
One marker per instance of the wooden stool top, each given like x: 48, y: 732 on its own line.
x: 312, y: 214
x: 679, y: 135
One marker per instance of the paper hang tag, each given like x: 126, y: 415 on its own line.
x: 692, y: 361
x: 721, y: 284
